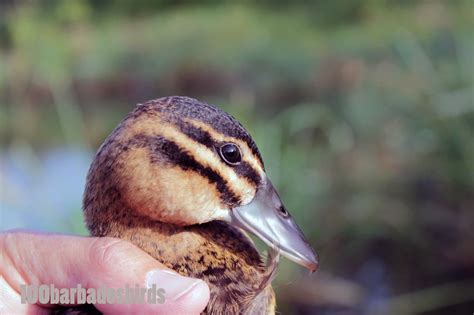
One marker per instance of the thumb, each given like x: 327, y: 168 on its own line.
x: 66, y: 261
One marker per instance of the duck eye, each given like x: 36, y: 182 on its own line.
x: 230, y: 153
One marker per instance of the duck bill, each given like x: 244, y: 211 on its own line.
x: 266, y: 217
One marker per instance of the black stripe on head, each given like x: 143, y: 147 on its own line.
x: 244, y: 169
x: 162, y: 147
x: 203, y: 137
x: 177, y: 107
x: 196, y: 133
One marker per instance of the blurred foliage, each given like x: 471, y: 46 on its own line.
x: 363, y: 111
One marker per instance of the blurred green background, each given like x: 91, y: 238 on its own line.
x: 363, y: 111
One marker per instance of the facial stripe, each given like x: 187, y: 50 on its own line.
x: 244, y: 169
x: 248, y: 155
x: 154, y: 124
x: 207, y: 114
x: 195, y: 133
x: 176, y: 155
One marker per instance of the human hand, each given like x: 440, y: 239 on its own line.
x: 66, y: 261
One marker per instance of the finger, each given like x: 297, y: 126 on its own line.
x: 65, y: 261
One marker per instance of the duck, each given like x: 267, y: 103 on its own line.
x: 185, y: 182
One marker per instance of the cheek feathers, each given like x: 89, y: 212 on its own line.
x: 170, y: 177
x: 166, y: 192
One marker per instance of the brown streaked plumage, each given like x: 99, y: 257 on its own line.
x: 162, y: 181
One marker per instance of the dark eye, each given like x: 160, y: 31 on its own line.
x: 230, y: 153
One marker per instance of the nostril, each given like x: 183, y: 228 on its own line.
x: 282, y: 210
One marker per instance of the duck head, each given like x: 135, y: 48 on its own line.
x: 180, y: 161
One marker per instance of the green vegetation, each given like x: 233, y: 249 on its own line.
x: 363, y: 111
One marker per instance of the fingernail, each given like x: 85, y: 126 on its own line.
x: 175, y: 285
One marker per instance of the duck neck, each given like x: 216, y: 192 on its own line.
x: 216, y: 252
